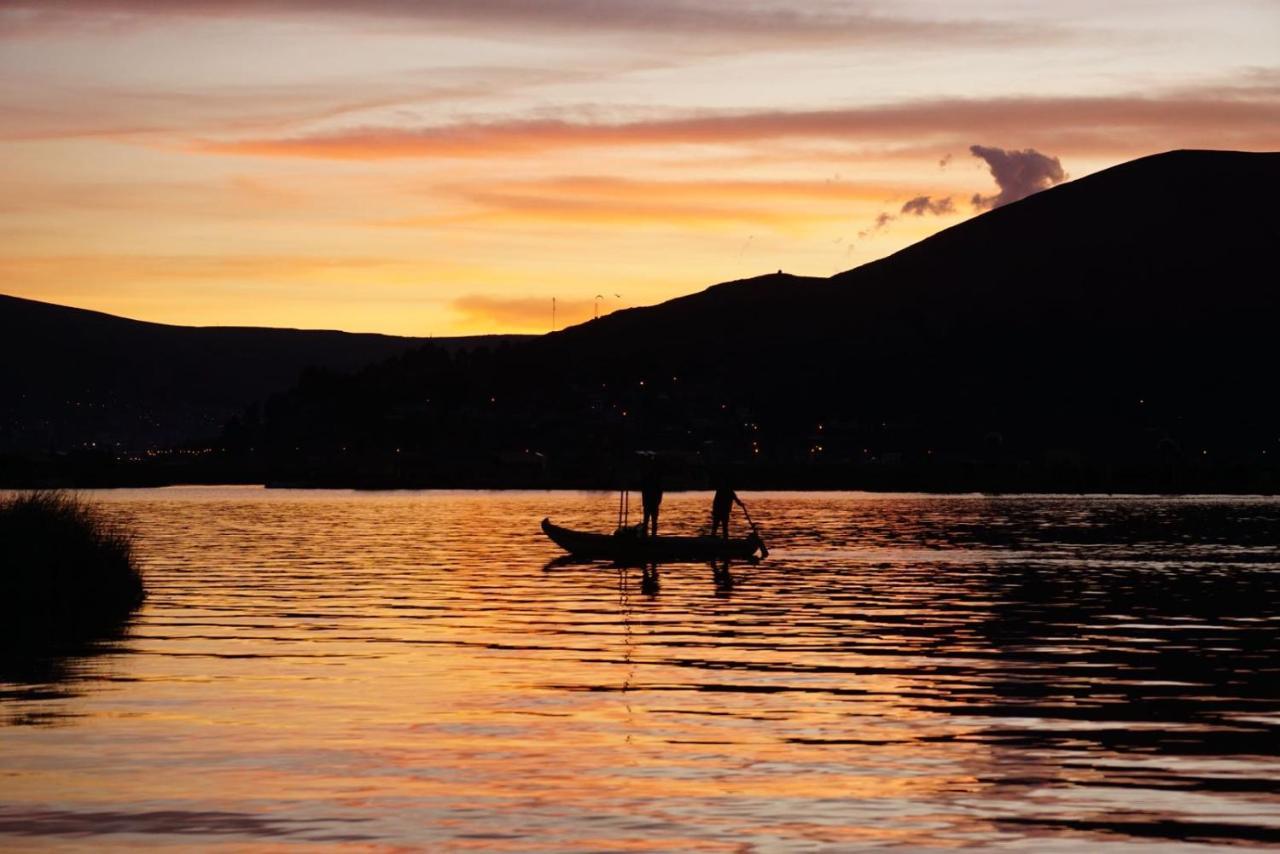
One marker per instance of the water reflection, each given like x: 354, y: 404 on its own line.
x: 39, y: 676
x: 415, y: 669
x: 721, y: 571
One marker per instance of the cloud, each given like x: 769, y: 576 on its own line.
x: 921, y: 205
x: 521, y: 314
x: 699, y: 190
x: 131, y: 269
x: 881, y: 222
x: 917, y: 206
x: 714, y: 25
x: 509, y: 208
x: 33, y: 109
x: 1018, y: 174
x: 1210, y: 117
x: 607, y: 201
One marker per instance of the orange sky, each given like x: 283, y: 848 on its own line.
x: 441, y: 167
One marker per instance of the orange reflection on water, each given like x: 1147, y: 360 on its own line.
x: 400, y: 670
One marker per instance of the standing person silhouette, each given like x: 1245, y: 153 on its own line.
x: 651, y: 498
x: 721, y: 506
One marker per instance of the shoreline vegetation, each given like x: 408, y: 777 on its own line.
x: 67, y: 571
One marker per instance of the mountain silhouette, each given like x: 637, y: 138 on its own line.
x: 1156, y: 273
x: 70, y: 377
x: 1116, y: 331
x: 1120, y: 322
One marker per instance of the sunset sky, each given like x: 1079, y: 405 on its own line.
x: 435, y: 168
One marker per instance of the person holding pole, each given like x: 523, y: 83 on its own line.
x: 721, y: 507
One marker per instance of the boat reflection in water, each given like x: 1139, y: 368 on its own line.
x: 650, y: 575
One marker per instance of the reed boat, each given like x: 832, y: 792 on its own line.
x: 630, y: 545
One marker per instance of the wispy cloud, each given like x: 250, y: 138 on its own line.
x: 47, y: 111
x: 604, y: 213
x: 1116, y: 123
x: 614, y: 187
x: 921, y: 205
x: 121, y: 267
x: 882, y: 221
x: 603, y: 202
x: 690, y: 25
x: 1017, y: 173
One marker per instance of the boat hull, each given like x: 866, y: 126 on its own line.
x: 628, y: 546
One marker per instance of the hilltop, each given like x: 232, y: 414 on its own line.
x: 71, y: 377
x: 1114, y: 332
x: 1157, y: 273
x: 1116, y: 328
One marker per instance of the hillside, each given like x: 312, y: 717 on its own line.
x: 1157, y: 270
x: 1121, y: 322
x: 69, y: 377
x: 1114, y: 332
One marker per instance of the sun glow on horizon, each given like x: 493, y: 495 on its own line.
x: 447, y: 170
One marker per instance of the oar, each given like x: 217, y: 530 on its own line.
x: 764, y: 550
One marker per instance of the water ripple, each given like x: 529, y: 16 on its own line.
x: 408, y: 669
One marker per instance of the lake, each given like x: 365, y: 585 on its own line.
x: 405, y: 670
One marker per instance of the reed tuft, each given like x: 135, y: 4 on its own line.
x: 66, y: 570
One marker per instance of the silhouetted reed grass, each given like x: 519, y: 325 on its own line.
x: 66, y: 571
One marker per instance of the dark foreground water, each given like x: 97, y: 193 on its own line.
x: 403, y: 671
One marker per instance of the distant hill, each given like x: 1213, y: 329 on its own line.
x: 1114, y: 332
x: 1121, y: 322
x: 69, y: 377
x: 1155, y: 280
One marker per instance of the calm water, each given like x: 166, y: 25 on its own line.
x: 382, y: 671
